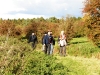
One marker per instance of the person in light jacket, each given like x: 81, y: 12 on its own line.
x: 62, y: 43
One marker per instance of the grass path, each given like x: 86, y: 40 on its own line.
x: 91, y: 65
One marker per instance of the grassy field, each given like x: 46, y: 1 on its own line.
x: 18, y: 58
x: 83, y: 57
x: 82, y: 47
x: 81, y: 65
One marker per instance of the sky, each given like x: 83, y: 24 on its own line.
x: 14, y: 9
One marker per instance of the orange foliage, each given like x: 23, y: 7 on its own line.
x: 92, y: 7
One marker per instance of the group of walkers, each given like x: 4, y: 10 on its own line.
x: 48, y: 43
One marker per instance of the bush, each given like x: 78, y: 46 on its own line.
x: 18, y: 58
x: 41, y: 64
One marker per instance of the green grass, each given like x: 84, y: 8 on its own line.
x: 74, y: 67
x: 18, y: 58
x: 82, y: 57
x: 80, y: 65
x: 82, y: 47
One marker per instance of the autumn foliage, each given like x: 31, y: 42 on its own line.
x: 24, y: 27
x: 7, y: 28
x: 92, y: 8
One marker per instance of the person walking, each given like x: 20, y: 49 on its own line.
x: 43, y: 44
x: 33, y: 40
x: 48, y: 39
x: 52, y: 43
x: 62, y: 43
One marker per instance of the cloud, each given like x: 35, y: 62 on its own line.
x: 38, y: 8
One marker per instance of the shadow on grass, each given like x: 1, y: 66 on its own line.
x: 78, y: 42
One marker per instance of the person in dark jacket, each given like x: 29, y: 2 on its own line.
x: 48, y: 39
x: 33, y: 40
x: 52, y: 43
x: 43, y: 44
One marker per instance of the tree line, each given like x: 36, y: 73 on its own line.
x: 73, y: 27
x: 88, y: 25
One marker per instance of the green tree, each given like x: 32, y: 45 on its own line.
x: 53, y: 19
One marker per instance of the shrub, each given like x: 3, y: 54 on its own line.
x: 41, y: 64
